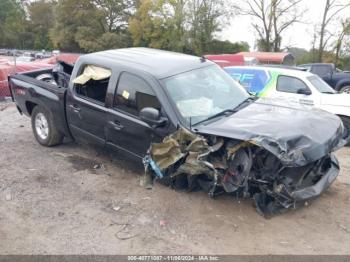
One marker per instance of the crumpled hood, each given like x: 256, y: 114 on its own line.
x: 295, y: 134
x: 335, y: 99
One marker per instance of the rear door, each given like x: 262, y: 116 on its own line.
x: 86, y: 111
x: 125, y: 129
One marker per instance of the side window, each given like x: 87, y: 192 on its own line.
x: 86, y: 86
x: 290, y: 84
x: 133, y: 94
x: 320, y: 70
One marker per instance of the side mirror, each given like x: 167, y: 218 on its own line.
x: 152, y: 117
x: 304, y: 91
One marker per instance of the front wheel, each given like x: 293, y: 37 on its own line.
x: 44, y: 127
x: 345, y: 89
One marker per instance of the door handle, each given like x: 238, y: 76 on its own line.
x: 116, y: 125
x: 75, y: 108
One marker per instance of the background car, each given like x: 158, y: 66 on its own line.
x: 336, y: 78
x: 25, y: 59
x: 294, y: 86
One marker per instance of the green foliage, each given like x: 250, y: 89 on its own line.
x: 90, y: 25
x: 180, y: 25
x: 226, y: 47
x: 13, y: 24
x: 159, y: 24
x: 187, y: 26
x: 41, y: 14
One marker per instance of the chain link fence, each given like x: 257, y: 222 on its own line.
x: 4, y: 89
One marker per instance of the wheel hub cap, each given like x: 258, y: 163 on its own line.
x: 41, y: 126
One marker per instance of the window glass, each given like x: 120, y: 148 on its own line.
x: 204, y: 92
x: 321, y: 85
x: 93, y: 89
x: 133, y: 94
x: 320, y: 70
x: 290, y: 84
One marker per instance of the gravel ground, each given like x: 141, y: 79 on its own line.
x: 74, y: 199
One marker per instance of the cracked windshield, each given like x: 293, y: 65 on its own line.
x: 204, y: 92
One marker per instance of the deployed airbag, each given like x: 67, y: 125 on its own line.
x: 94, y: 73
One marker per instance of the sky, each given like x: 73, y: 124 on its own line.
x: 298, y: 35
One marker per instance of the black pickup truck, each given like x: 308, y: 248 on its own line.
x: 339, y: 80
x: 185, y: 111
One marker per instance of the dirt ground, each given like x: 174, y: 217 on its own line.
x: 74, y: 199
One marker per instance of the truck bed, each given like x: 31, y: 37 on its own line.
x: 28, y: 92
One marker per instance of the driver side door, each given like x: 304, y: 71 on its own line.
x: 125, y: 130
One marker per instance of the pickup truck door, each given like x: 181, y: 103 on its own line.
x: 294, y: 90
x: 125, y: 130
x: 86, y: 111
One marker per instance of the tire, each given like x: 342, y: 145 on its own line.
x: 345, y: 89
x: 48, y: 78
x: 44, y: 127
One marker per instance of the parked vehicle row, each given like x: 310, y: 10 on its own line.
x: 336, y: 78
x: 29, y: 53
x: 294, y: 86
x: 185, y: 111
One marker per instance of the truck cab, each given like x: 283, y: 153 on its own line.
x: 336, y: 78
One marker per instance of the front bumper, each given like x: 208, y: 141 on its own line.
x: 317, y: 189
x: 281, y: 197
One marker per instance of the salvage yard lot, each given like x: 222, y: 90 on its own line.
x: 75, y: 199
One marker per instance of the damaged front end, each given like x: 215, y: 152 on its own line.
x: 241, y: 168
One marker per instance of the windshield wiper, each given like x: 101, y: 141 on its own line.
x: 231, y: 111
x: 248, y: 99
x: 227, y: 111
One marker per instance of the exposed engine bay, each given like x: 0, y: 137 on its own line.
x: 240, y: 168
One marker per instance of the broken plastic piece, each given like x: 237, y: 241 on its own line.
x: 239, y: 168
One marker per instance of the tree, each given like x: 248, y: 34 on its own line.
x: 41, y: 15
x: 90, y: 25
x: 345, y: 30
x: 13, y: 25
x: 180, y: 25
x: 116, y: 13
x: 206, y: 18
x: 160, y: 24
x: 271, y: 19
x: 70, y: 15
x: 226, y: 47
x: 332, y: 9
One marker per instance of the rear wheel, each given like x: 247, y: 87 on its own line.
x: 44, y: 128
x: 345, y: 89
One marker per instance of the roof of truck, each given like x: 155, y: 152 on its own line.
x: 159, y: 63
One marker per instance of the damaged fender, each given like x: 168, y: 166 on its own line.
x: 240, y: 168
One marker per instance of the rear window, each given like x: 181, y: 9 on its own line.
x: 320, y: 70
